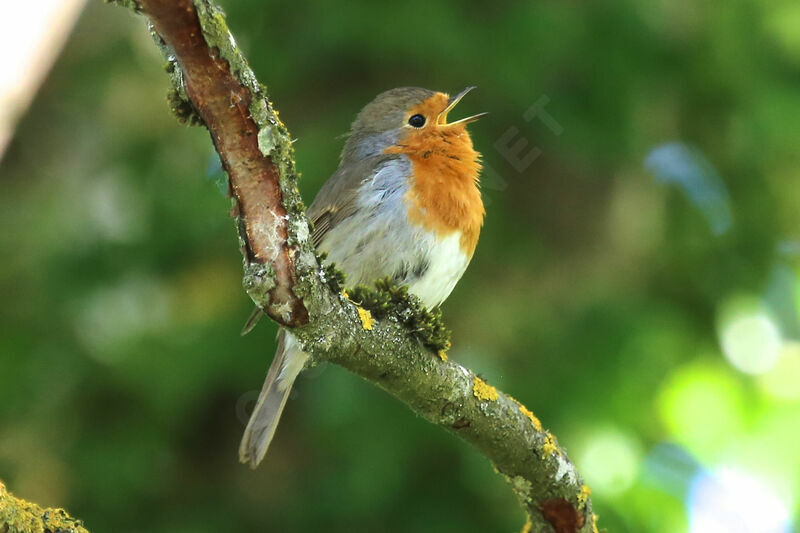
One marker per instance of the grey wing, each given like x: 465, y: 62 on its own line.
x: 368, y: 235
x: 337, y: 199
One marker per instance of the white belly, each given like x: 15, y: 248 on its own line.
x: 447, y: 265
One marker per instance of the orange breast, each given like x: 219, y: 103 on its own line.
x: 443, y: 195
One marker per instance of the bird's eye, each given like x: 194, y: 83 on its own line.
x: 416, y: 121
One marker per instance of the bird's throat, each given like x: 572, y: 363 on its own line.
x: 443, y: 194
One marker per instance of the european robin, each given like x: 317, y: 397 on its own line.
x: 404, y: 204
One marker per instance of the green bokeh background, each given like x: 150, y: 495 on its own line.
x: 598, y: 294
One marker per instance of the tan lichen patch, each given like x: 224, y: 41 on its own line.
x: 594, y: 524
x: 483, y: 391
x: 549, y: 447
x: 366, y: 318
x: 527, y: 527
x: 442, y: 355
x: 583, y: 496
x: 522, y: 487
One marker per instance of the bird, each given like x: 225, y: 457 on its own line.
x: 404, y: 204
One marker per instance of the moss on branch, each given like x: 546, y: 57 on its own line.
x: 20, y: 516
x: 387, y: 300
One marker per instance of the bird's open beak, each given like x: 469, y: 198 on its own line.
x: 454, y: 100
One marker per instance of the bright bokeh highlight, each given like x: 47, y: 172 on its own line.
x: 750, y: 339
x: 732, y: 501
x: 702, y: 406
x: 610, y: 461
x: 783, y: 380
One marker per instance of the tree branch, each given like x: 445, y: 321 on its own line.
x: 283, y: 276
x: 20, y: 516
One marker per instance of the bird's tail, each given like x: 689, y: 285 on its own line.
x: 289, y: 361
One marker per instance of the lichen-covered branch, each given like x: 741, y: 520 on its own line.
x: 283, y: 276
x: 20, y: 516
x: 251, y: 141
